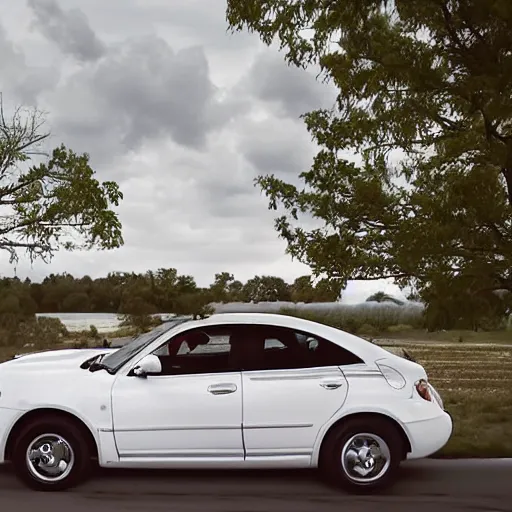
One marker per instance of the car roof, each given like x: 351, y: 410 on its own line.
x: 359, y: 346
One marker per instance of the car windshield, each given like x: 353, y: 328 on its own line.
x: 116, y: 359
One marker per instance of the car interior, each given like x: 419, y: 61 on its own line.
x: 244, y: 348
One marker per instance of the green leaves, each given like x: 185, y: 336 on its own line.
x: 425, y: 99
x: 55, y: 204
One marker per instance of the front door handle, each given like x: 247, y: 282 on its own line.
x: 332, y: 384
x: 222, y: 389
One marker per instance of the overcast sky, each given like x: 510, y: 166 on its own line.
x: 182, y: 114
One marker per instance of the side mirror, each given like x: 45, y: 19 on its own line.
x: 149, y: 364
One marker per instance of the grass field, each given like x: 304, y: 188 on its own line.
x: 475, y: 383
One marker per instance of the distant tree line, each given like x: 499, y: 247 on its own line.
x: 166, y: 291
x: 160, y: 291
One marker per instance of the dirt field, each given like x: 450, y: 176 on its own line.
x: 475, y: 383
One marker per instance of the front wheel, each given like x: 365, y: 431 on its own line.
x: 362, y: 455
x: 51, y: 454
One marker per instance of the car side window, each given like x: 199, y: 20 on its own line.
x: 204, y: 350
x: 279, y: 348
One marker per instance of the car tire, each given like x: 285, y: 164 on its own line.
x: 339, y: 461
x: 61, y: 457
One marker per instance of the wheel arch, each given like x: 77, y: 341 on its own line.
x: 363, y: 415
x: 33, y: 414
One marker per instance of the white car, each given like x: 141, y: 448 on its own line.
x: 228, y: 391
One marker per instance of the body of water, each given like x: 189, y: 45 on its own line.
x: 104, y: 322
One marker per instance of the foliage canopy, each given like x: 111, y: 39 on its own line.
x: 430, y: 82
x: 57, y: 203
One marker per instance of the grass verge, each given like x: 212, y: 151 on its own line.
x: 455, y: 336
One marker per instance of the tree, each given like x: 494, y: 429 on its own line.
x: 221, y: 287
x: 76, y: 302
x: 456, y: 304
x: 235, y: 291
x: 57, y: 287
x: 103, y: 296
x: 302, y: 290
x: 137, y: 297
x: 165, y: 281
x: 384, y: 297
x: 327, y: 290
x: 266, y: 289
x: 195, y: 303
x: 428, y: 80
x: 55, y: 204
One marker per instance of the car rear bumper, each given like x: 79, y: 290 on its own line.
x: 430, y: 435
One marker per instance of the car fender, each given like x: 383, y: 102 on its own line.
x: 17, y: 415
x: 347, y: 412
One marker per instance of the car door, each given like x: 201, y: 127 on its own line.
x: 190, y: 412
x: 291, y: 389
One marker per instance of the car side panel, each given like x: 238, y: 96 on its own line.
x: 370, y: 393
x: 176, y: 416
x: 283, y: 410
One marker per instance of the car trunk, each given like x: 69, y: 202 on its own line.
x: 399, y: 351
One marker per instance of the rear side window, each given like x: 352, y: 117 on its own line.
x: 278, y: 348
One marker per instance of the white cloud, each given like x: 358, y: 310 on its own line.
x: 68, y: 29
x: 181, y: 113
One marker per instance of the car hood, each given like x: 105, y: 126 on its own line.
x: 58, y: 359
x: 54, y: 379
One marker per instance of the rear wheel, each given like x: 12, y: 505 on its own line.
x: 362, y: 455
x: 51, y: 454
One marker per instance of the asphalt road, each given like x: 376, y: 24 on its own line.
x: 427, y: 485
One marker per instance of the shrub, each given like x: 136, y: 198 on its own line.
x: 400, y: 328
x: 39, y: 332
x: 367, y: 330
x: 82, y: 343
x: 352, y: 318
x: 93, y: 332
x: 141, y: 323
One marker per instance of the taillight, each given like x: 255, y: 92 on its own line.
x: 423, y: 390
x: 436, y: 396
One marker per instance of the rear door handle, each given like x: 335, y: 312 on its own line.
x: 222, y: 389
x: 332, y: 384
